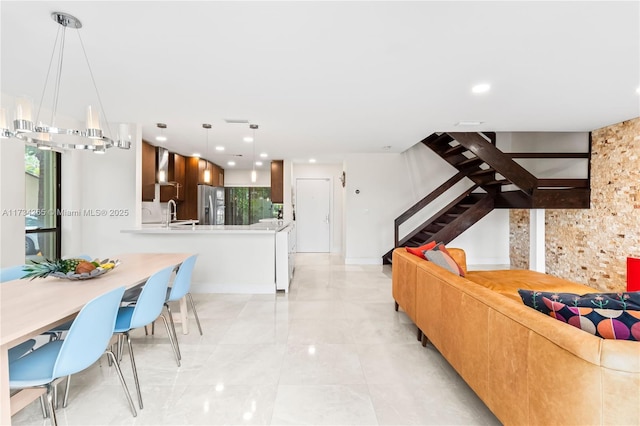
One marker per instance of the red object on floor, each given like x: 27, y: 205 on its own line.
x: 633, y: 274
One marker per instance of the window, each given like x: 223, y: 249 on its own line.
x: 247, y: 205
x: 42, y: 203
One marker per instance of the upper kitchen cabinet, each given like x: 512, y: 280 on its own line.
x: 210, y: 173
x: 176, y: 177
x: 148, y: 171
x: 277, y: 181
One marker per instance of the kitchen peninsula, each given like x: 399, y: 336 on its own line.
x: 254, y: 258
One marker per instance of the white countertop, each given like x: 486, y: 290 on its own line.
x: 181, y: 229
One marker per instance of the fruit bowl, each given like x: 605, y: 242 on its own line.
x: 100, y: 270
x: 69, y: 268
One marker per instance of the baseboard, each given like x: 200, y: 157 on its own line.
x: 363, y: 260
x: 232, y: 288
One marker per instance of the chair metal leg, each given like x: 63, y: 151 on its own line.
x: 112, y: 359
x: 195, y: 313
x: 173, y: 329
x: 43, y: 406
x: 54, y: 385
x: 135, y: 371
x: 66, y: 392
x: 52, y: 411
x: 120, y: 347
x: 174, y: 343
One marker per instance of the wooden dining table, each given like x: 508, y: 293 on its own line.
x: 31, y: 307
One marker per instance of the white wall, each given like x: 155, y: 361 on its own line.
x: 12, y: 200
x: 109, y: 194
x: 324, y: 171
x: 389, y: 184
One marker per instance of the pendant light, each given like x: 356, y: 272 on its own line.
x: 50, y: 136
x: 254, y: 174
x: 207, y: 172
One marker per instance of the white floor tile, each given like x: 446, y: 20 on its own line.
x: 332, y: 351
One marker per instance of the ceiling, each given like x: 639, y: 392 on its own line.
x: 326, y: 79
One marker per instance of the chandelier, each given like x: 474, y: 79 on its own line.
x: 49, y: 136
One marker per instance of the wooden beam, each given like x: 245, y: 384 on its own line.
x: 547, y: 154
x: 495, y: 158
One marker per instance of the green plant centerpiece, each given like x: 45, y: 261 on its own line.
x: 72, y: 269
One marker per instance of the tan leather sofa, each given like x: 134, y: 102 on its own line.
x: 527, y: 367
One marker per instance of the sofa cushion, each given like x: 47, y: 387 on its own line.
x: 418, y: 251
x: 508, y: 281
x: 607, y: 315
x: 447, y: 257
x: 442, y: 259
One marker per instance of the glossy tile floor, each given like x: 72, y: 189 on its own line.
x: 330, y: 352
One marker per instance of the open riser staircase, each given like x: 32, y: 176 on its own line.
x: 498, y: 182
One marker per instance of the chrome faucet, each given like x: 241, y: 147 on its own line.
x: 171, y: 215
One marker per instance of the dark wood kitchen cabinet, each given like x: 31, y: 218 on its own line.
x: 277, y: 181
x: 148, y: 171
x: 216, y: 173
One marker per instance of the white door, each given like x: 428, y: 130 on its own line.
x: 313, y: 205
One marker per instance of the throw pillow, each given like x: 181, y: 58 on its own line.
x: 419, y: 250
x: 607, y: 315
x: 442, y: 259
x: 442, y: 248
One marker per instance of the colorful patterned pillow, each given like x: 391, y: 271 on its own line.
x: 607, y: 315
x: 442, y: 259
x: 418, y: 251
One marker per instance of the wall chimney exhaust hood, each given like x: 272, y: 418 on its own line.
x: 162, y: 165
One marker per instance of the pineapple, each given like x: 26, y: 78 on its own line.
x: 45, y: 268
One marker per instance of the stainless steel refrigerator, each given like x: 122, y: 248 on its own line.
x: 210, y: 205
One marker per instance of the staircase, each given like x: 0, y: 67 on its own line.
x: 498, y: 182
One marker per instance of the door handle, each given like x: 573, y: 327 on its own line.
x: 326, y: 219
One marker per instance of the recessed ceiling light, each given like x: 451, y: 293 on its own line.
x: 231, y: 163
x: 196, y: 154
x: 263, y: 155
x: 219, y: 148
x: 258, y: 163
x: 236, y: 121
x: 312, y: 160
x: 386, y: 147
x: 481, y: 88
x: 469, y: 123
x: 161, y: 138
x: 247, y: 139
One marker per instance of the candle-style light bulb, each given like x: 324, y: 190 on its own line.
x: 93, y: 121
x: 23, y: 108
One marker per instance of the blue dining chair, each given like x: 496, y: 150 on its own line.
x: 87, y: 340
x: 11, y: 273
x: 147, y: 309
x: 181, y: 286
x: 179, y: 289
x: 55, y: 334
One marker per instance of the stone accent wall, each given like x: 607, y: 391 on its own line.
x: 591, y: 246
x: 519, y: 238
